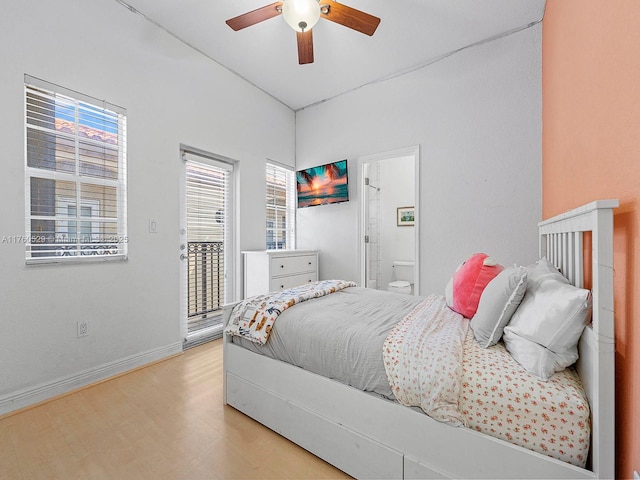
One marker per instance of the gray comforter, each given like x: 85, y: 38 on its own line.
x: 339, y: 335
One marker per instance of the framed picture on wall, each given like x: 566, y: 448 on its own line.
x: 406, y: 216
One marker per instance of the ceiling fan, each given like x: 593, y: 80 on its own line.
x: 302, y: 15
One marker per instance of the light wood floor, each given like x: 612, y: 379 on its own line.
x: 165, y: 421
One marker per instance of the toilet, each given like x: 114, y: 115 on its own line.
x: 402, y: 278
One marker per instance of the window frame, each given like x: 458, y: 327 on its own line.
x: 108, y: 238
x: 288, y: 231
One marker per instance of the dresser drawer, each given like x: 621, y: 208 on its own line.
x: 280, y: 283
x: 273, y: 270
x: 290, y: 265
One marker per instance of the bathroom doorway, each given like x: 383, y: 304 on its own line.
x: 389, y: 223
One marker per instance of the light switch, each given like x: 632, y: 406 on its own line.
x: 153, y: 226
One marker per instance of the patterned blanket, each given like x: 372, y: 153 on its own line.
x: 253, y: 318
x: 423, y: 359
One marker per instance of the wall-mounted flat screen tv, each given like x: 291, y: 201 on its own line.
x: 323, y: 184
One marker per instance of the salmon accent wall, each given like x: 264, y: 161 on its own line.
x: 590, y: 151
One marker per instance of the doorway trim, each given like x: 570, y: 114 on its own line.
x: 375, y: 157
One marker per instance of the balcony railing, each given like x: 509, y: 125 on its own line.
x: 205, y: 280
x: 42, y: 246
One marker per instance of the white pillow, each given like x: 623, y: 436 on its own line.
x: 498, y: 302
x: 535, y: 358
x: 553, y: 314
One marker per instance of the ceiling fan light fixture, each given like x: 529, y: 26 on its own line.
x: 301, y: 15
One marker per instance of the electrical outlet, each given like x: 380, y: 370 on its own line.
x: 83, y: 328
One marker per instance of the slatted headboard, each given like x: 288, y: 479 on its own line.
x: 562, y: 242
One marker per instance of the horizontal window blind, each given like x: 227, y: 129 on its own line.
x: 75, y: 177
x: 281, y: 210
x: 207, y: 192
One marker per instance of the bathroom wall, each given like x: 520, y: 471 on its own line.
x: 397, y: 186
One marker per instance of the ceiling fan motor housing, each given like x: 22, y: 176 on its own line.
x: 301, y: 15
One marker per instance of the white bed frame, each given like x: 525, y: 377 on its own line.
x: 369, y: 437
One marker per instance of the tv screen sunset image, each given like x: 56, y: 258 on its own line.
x: 323, y: 184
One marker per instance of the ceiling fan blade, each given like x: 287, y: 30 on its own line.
x: 305, y: 47
x: 255, y: 16
x: 349, y: 17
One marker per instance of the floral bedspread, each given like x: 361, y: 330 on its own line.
x: 423, y: 360
x: 253, y: 318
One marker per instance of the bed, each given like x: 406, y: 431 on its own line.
x: 368, y: 435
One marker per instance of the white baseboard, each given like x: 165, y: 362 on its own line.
x: 33, y: 395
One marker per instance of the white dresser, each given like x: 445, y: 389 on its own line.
x: 271, y: 270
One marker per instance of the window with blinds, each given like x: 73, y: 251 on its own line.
x: 281, y: 207
x: 75, y: 176
x: 207, y: 203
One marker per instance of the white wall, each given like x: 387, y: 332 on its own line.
x: 476, y: 116
x: 173, y: 95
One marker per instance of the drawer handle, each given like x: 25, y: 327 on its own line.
x: 281, y: 286
x: 309, y: 263
x: 281, y: 266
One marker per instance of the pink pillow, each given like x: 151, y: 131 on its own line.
x: 468, y: 282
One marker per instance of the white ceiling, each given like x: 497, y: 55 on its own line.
x: 412, y: 33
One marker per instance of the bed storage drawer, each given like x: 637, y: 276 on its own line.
x: 415, y: 470
x: 358, y: 456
